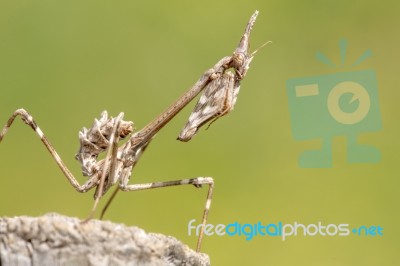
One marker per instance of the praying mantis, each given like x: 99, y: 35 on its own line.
x: 220, y: 86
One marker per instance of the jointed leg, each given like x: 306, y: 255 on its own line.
x: 109, y: 164
x: 27, y: 119
x: 105, y: 208
x: 197, y: 182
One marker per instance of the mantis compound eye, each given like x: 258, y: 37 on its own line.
x: 238, y: 59
x: 220, y: 85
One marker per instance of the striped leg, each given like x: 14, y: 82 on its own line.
x: 197, y: 182
x: 110, y: 163
x: 28, y: 119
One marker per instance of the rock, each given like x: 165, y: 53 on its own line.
x: 54, y: 239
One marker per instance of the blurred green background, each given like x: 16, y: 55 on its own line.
x: 66, y: 61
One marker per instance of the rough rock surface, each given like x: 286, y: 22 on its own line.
x: 54, y: 239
